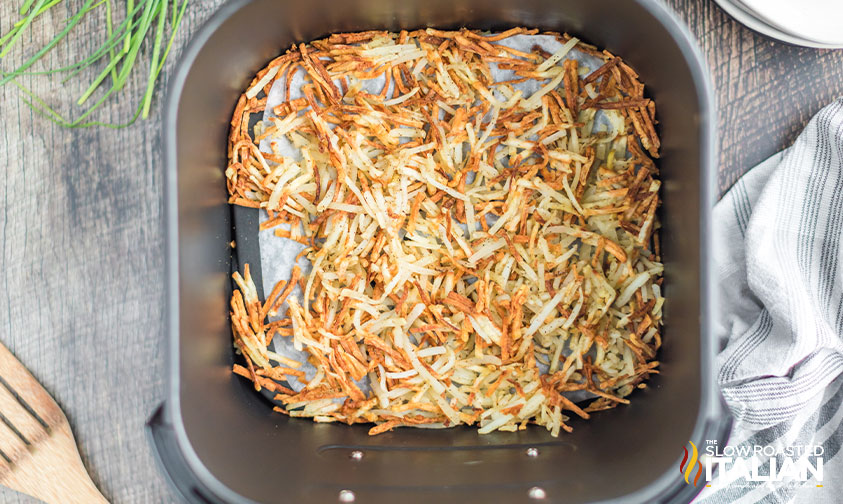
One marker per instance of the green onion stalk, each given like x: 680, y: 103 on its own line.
x: 146, y: 21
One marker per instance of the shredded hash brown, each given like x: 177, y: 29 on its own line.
x: 478, y: 255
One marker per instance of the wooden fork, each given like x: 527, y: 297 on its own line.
x: 39, y: 455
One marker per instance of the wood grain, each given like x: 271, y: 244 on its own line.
x: 47, y: 466
x: 53, y: 473
x: 81, y: 259
x: 81, y: 235
x: 766, y: 90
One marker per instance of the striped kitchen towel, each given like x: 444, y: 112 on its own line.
x: 779, y: 259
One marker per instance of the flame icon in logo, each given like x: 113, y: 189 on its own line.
x: 687, y: 469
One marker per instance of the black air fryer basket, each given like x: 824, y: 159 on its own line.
x: 219, y: 441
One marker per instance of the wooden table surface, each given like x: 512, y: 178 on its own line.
x: 81, y: 237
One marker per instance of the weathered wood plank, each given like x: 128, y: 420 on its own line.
x: 81, y: 260
x: 766, y: 90
x: 81, y: 235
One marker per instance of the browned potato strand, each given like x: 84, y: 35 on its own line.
x: 477, y: 254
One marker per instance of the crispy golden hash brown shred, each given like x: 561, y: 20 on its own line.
x: 477, y: 254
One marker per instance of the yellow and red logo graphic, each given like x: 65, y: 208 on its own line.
x: 688, y: 468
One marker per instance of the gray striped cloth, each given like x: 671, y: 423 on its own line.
x: 778, y: 238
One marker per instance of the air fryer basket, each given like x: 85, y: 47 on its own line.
x: 219, y: 441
